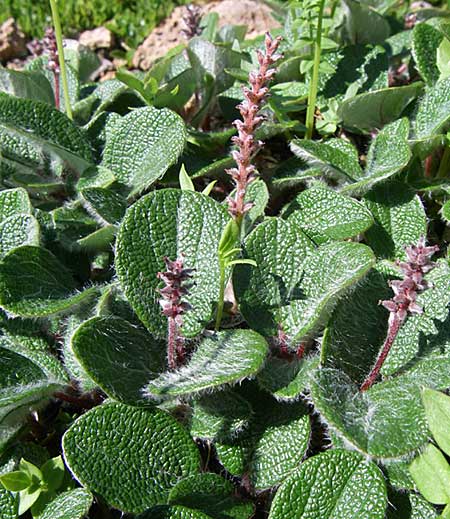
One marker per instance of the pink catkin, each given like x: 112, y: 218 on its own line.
x: 173, y: 307
x: 51, y: 49
x: 418, y: 263
x: 246, y: 141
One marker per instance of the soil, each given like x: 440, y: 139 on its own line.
x: 256, y: 15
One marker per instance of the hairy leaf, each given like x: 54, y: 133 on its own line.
x: 144, y: 145
x: 433, y: 111
x: 334, y: 156
x: 323, y: 214
x: 33, y: 283
x: 273, y: 444
x: 211, y: 494
x: 388, y: 154
x: 333, y: 484
x: 118, y: 356
x: 17, y: 230
x: 36, y: 123
x: 72, y: 504
x: 425, y: 42
x: 400, y: 219
x: 105, y: 452
x: 386, y: 422
x: 171, y: 223
x: 225, y: 358
x: 372, y: 110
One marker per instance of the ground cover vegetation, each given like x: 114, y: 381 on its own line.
x: 225, y: 283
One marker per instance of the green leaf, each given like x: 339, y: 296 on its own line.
x: 29, y: 85
x: 40, y: 65
x: 409, y: 506
x: 28, y: 497
x: 437, y: 410
x: 15, y: 481
x: 329, y: 271
x: 173, y: 512
x: 13, y: 202
x: 363, y: 24
x: 104, y: 205
x: 387, y: 422
x: 8, y: 504
x: 357, y: 328
x: 433, y: 111
x: 145, y: 143
x: 389, y: 153
x: 425, y: 42
x: 186, y: 183
x: 53, y: 471
x: 400, y: 219
x: 273, y: 444
x: 22, y: 383
x: 18, y: 230
x: 225, y: 358
x: 105, y: 452
x: 445, y: 212
x: 291, y: 286
x: 323, y: 214
x: 333, y: 484
x: 171, y: 223
x: 36, y: 350
x: 72, y: 504
x: 33, y: 283
x: 279, y: 249
x: 220, y: 416
x: 211, y: 494
x: 335, y: 156
x: 443, y: 58
x: 371, y: 110
x: 119, y: 357
x: 287, y: 379
x: 37, y: 124
x: 431, y: 473
x: 34, y: 474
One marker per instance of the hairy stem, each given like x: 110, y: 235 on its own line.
x: 394, y: 327
x: 62, y: 61
x: 172, y: 343
x: 313, y: 86
x: 57, y: 86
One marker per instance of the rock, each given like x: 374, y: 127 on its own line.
x: 12, y: 41
x: 100, y: 38
x: 252, y: 13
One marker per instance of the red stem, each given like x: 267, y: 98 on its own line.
x: 172, y: 341
x: 393, y: 330
x: 57, y: 87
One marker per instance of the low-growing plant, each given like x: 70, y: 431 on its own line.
x: 209, y: 320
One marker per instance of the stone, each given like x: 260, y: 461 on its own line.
x: 100, y: 38
x: 12, y: 41
x: 252, y: 13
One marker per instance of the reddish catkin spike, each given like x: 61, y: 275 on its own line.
x: 51, y: 49
x: 418, y: 263
x: 173, y: 307
x: 246, y: 141
x: 191, y: 19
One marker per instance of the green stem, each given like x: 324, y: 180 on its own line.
x: 313, y: 86
x: 446, y: 512
x: 221, y: 301
x: 62, y: 61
